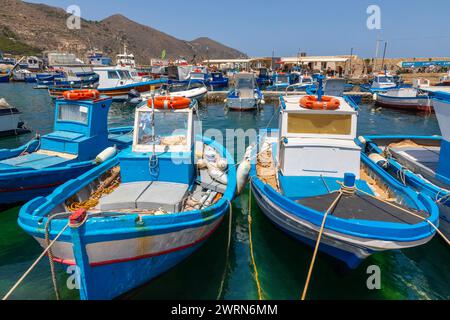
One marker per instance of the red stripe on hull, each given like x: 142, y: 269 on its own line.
x: 102, y: 263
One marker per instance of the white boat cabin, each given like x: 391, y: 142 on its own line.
x: 317, y: 142
x: 173, y: 130
x: 383, y: 81
x: 112, y: 77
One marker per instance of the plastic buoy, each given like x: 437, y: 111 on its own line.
x: 242, y: 175
x: 106, y: 154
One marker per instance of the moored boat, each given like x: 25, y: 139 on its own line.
x: 10, y: 123
x: 245, y: 95
x: 141, y: 213
x: 80, y: 135
x: 310, y: 174
x: 421, y: 162
x: 408, y: 99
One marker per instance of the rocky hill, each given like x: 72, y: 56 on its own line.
x: 43, y: 27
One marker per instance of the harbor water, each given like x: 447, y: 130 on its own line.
x: 282, y: 263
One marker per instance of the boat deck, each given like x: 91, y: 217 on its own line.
x: 362, y: 207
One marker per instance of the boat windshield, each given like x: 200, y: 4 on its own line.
x: 306, y: 80
x: 170, y: 128
x: 282, y: 79
x: 73, y: 113
x: 124, y: 74
x: 386, y: 79
x: 198, y: 76
x: 244, y: 83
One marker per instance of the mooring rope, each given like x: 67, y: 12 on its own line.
x: 230, y: 225
x: 255, y: 269
x: 50, y: 253
x: 34, y: 264
x: 319, y: 238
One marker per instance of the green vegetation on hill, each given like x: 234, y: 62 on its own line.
x: 8, y: 44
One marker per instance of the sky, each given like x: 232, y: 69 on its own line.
x: 411, y: 28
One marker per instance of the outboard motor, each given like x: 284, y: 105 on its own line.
x: 134, y: 97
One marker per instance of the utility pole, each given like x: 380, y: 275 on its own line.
x: 351, y: 58
x: 384, y: 54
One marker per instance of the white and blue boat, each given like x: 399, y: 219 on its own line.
x: 421, y: 162
x: 160, y: 205
x: 312, y: 165
x: 407, y: 99
x: 80, y: 135
x: 381, y: 83
x: 245, y: 94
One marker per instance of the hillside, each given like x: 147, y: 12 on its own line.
x: 42, y: 27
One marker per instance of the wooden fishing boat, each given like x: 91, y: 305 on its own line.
x: 408, y: 99
x: 421, y: 162
x: 141, y: 213
x: 80, y: 136
x: 311, y: 173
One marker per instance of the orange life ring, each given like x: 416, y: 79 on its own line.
x: 170, y: 102
x: 83, y: 94
x: 327, y: 103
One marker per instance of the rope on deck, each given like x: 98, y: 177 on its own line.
x: 319, y: 238
x: 230, y: 224
x: 34, y: 264
x: 255, y: 269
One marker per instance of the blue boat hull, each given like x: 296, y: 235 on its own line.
x: 4, y: 78
x: 18, y: 185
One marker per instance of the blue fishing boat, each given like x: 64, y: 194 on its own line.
x: 421, y: 162
x: 245, y: 95
x: 76, y: 145
x: 141, y: 213
x: 4, y: 77
x: 310, y: 175
x: 263, y: 79
x: 280, y: 81
x: 217, y: 80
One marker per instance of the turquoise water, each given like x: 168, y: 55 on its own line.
x: 419, y: 273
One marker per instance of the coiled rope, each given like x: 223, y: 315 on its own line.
x: 255, y: 269
x: 230, y: 225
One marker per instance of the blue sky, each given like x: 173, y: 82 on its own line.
x: 319, y: 27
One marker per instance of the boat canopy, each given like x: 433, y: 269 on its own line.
x: 172, y: 130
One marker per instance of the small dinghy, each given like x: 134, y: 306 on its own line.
x: 80, y: 136
x: 10, y: 123
x: 382, y: 82
x: 421, y: 162
x: 141, y: 213
x: 311, y: 173
x: 245, y: 95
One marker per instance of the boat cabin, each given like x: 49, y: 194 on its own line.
x: 162, y: 152
x: 80, y: 129
x: 113, y: 77
x: 317, y: 142
x: 441, y: 105
x: 383, y: 81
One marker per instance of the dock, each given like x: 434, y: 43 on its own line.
x: 273, y: 96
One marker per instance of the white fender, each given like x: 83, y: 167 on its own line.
x: 217, y: 174
x: 378, y: 159
x: 242, y: 175
x: 106, y: 154
x: 221, y: 164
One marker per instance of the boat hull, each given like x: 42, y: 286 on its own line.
x: 4, y: 78
x: 23, y: 184
x: 237, y: 104
x: 411, y: 104
x: 120, y: 264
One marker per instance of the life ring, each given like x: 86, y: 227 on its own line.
x: 327, y: 103
x: 170, y: 102
x: 83, y: 94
